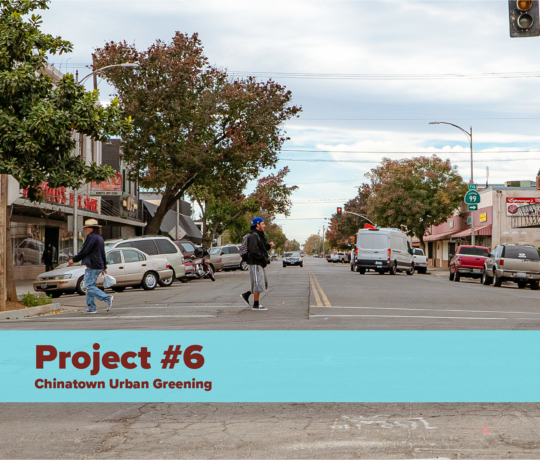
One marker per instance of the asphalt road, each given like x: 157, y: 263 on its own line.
x: 318, y: 296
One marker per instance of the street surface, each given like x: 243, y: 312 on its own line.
x: 321, y: 295
x: 318, y: 296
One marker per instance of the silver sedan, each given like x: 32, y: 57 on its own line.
x: 130, y: 267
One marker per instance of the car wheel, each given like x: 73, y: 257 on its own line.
x: 149, y: 281
x: 302, y: 265
x: 284, y: 265
x: 167, y: 281
x: 81, y: 288
x: 410, y: 271
x: 352, y: 268
x: 457, y: 277
x: 497, y: 280
x: 244, y: 265
x: 56, y: 294
x: 393, y: 269
x: 451, y: 276
x: 522, y: 284
x: 422, y: 270
x: 535, y: 285
x: 119, y: 288
x: 486, y: 279
x: 362, y: 271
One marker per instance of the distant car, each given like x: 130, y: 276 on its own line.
x: 130, y: 267
x: 468, y: 262
x: 292, y: 258
x: 29, y: 252
x: 230, y: 256
x: 513, y: 262
x: 420, y: 261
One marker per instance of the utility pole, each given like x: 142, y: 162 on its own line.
x: 3, y: 241
x: 177, y: 219
x: 323, y: 235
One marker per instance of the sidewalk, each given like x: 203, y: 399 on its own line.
x: 438, y: 271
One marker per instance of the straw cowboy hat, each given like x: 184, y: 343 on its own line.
x: 91, y: 223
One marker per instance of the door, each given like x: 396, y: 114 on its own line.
x: 235, y: 257
x: 226, y: 257
x: 115, y: 266
x: 135, y: 266
x: 52, y: 236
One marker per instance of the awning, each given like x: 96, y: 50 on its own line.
x: 192, y: 232
x: 484, y: 230
x: 439, y: 236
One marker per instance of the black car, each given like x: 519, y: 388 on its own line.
x: 292, y: 258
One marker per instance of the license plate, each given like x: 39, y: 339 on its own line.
x: 521, y: 275
x: 43, y: 285
x: 477, y: 270
x: 378, y: 263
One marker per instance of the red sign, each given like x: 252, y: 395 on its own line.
x: 514, y: 203
x: 111, y: 186
x: 60, y: 196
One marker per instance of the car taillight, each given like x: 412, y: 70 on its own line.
x: 168, y: 266
x: 501, y: 262
x: 356, y: 250
x: 388, y: 258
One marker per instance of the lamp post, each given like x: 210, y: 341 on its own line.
x: 359, y: 215
x: 469, y: 136
x: 75, y: 198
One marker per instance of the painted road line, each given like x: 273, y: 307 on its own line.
x: 409, y: 317
x: 323, y: 295
x: 314, y: 287
x: 442, y: 310
x: 108, y: 317
x: 139, y: 307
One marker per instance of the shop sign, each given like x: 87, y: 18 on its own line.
x: 61, y: 196
x: 483, y: 217
x: 514, y: 203
x: 112, y: 186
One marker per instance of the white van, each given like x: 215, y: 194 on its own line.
x: 383, y: 250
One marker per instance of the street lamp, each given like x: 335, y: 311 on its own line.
x: 126, y: 64
x: 469, y: 136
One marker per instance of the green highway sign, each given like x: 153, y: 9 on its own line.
x: 472, y: 207
x: 472, y: 197
x: 473, y: 186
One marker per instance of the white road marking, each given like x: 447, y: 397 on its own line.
x: 397, y: 316
x: 105, y: 316
x: 434, y: 309
x: 182, y: 306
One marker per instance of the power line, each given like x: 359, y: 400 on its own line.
x: 407, y: 153
x: 377, y: 161
x: 413, y: 119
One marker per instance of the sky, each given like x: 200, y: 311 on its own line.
x: 373, y: 74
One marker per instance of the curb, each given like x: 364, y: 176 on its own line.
x: 32, y: 311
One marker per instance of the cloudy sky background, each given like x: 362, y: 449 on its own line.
x: 352, y: 120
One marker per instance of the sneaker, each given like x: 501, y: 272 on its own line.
x: 259, y: 308
x: 245, y: 298
x: 89, y: 312
x: 110, y: 302
x: 212, y: 277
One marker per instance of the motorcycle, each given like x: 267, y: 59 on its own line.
x: 198, y: 268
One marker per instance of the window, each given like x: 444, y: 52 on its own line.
x: 188, y: 247
x: 379, y: 242
x: 215, y: 251
x: 521, y: 252
x: 469, y: 220
x: 474, y: 252
x: 114, y: 258
x: 146, y: 246
x: 131, y: 256
x: 365, y: 241
x: 165, y: 247
x: 124, y: 245
x: 418, y: 252
x: 225, y: 251
x: 234, y: 250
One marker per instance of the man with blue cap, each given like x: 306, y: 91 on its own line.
x: 257, y: 253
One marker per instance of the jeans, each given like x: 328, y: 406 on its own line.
x: 92, y: 291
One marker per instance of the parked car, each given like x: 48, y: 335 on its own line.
x: 153, y: 246
x: 420, y: 261
x: 468, y: 262
x: 29, y: 252
x: 340, y: 257
x: 230, y: 256
x: 130, y: 267
x: 292, y: 259
x: 513, y: 262
x: 383, y: 250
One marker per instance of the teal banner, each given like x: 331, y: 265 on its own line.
x: 270, y: 366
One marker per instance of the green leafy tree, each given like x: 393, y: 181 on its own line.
x: 194, y: 124
x: 414, y: 194
x: 313, y: 245
x: 38, y: 119
x: 292, y: 245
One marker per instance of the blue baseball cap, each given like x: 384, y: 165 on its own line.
x: 256, y: 221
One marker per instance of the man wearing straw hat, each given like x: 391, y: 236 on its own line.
x: 92, y: 256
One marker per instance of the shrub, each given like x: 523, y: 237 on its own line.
x: 31, y: 300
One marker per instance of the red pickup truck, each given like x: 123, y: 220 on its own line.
x: 468, y: 262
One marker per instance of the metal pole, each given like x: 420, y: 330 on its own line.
x: 473, y: 239
x: 3, y: 241
x: 177, y: 219
x: 75, y: 226
x: 323, y: 230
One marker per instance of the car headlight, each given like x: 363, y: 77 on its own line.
x: 62, y: 277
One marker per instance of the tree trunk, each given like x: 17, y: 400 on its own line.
x: 167, y: 202
x: 10, y: 282
x: 208, y: 236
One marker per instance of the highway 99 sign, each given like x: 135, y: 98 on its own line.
x: 472, y: 197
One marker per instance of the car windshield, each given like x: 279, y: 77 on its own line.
x: 292, y: 254
x: 214, y: 250
x: 109, y: 246
x: 418, y: 252
x: 521, y: 252
x: 483, y: 252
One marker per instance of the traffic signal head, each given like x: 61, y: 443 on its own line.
x: 339, y: 211
x: 524, y: 18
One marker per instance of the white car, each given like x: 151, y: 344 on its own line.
x: 155, y: 246
x: 420, y: 261
x: 130, y: 267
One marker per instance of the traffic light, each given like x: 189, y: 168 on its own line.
x: 524, y: 18
x: 339, y: 211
